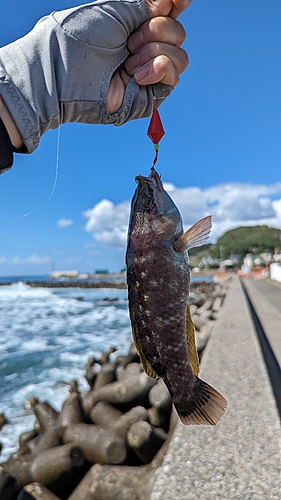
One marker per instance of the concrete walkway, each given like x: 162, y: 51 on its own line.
x: 240, y: 458
x: 266, y: 299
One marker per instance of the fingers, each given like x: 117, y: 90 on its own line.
x: 160, y: 69
x: 160, y: 29
x: 157, y: 55
x: 156, y: 52
x: 116, y: 90
x: 171, y: 8
x: 157, y: 62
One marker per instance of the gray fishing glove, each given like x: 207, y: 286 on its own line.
x: 61, y: 70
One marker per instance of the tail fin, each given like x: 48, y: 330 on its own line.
x: 206, y: 406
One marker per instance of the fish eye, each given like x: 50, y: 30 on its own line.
x: 148, y: 203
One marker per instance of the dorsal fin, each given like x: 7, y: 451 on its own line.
x: 195, y: 236
x: 191, y: 345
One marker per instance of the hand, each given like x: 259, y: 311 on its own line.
x: 157, y: 55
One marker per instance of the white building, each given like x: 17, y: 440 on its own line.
x: 64, y: 274
x: 275, y: 271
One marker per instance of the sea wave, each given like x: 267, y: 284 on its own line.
x: 46, y: 337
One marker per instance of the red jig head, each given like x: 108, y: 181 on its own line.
x: 155, y: 131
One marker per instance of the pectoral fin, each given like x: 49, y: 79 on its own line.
x: 145, y: 363
x: 191, y: 345
x: 195, y: 236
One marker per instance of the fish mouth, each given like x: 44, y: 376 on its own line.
x: 154, y: 181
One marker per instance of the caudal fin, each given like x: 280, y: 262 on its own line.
x: 206, y: 406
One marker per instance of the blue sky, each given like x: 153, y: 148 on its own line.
x: 221, y: 153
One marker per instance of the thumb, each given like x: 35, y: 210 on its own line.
x: 171, y: 8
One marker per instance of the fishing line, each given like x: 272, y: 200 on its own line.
x: 52, y: 191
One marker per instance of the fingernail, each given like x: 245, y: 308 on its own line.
x: 135, y: 41
x: 142, y: 73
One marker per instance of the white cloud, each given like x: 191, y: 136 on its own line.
x: 31, y: 259
x: 64, y: 222
x: 108, y: 222
x: 231, y: 205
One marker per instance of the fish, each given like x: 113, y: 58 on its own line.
x: 158, y: 279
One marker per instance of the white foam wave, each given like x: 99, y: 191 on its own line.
x: 46, y: 337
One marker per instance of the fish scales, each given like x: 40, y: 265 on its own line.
x: 158, y: 303
x: 158, y: 276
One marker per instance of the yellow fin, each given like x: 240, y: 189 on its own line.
x: 191, y: 345
x: 146, y: 365
x: 195, y: 236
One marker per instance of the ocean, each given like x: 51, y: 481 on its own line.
x: 46, y: 337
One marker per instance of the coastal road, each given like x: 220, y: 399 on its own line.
x: 266, y: 300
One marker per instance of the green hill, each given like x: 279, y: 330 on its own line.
x: 240, y: 241
x: 250, y: 239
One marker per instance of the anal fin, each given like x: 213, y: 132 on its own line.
x: 191, y: 344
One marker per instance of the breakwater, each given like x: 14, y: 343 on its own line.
x: 119, y: 429
x: 240, y: 457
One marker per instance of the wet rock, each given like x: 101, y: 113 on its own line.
x: 36, y: 491
x: 91, y: 372
x: 25, y: 441
x: 7, y: 485
x: 158, y: 419
x: 202, y: 337
x: 217, y: 303
x: 46, y: 415
x: 160, y: 398
x: 193, y: 308
x: 144, y: 441
x: 131, y: 357
x: 3, y: 421
x: 126, y: 393
x: 131, y: 369
x: 105, y: 446
x: 50, y: 439
x: 199, y: 321
x: 73, y: 387
x: 87, y: 401
x: 124, y: 423
x: 71, y: 412
x: 105, y: 357
x: 197, y: 299
x: 48, y: 467
x: 105, y: 376
x: 104, y: 414
x: 205, y: 307
x: 113, y: 483
x: 30, y: 403
x: 161, y: 406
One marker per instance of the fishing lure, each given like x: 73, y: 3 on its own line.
x: 155, y: 130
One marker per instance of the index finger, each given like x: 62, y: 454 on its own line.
x: 171, y: 8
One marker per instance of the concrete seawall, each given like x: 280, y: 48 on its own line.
x: 240, y: 458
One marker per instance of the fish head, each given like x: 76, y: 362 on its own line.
x: 153, y: 208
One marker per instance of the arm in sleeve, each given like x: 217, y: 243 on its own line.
x: 61, y: 70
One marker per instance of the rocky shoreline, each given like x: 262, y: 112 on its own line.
x: 105, y: 443
x: 72, y: 284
